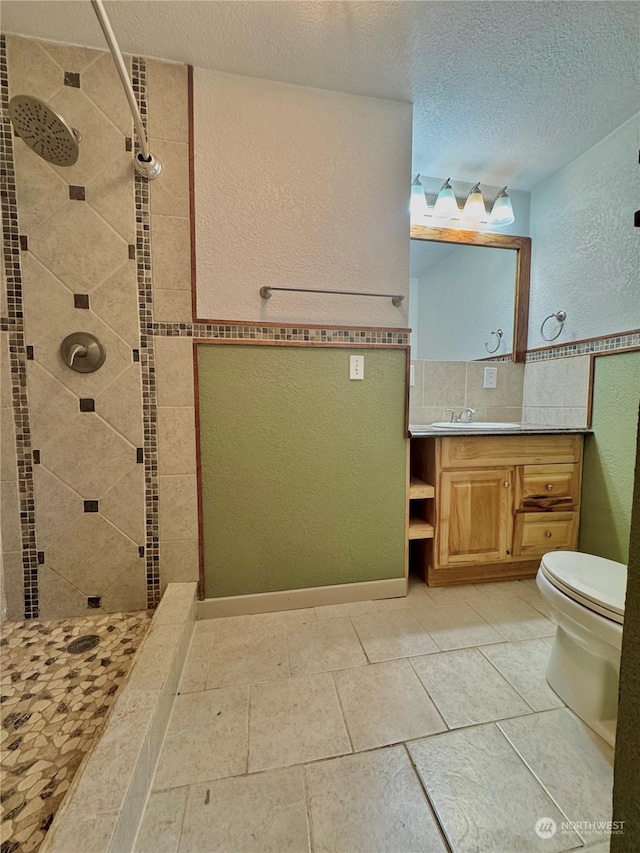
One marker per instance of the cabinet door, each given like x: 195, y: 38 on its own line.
x: 476, y: 516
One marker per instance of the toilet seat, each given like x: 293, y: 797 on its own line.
x: 596, y: 583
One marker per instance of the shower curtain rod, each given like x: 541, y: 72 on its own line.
x: 144, y: 163
x: 396, y: 298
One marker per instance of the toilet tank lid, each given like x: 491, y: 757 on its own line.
x: 602, y: 581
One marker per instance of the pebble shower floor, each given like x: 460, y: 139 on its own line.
x: 53, y: 706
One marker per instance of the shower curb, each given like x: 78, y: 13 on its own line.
x: 103, y: 808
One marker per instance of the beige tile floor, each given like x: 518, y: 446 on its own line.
x: 415, y: 724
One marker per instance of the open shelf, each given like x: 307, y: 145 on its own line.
x: 420, y: 529
x: 419, y: 489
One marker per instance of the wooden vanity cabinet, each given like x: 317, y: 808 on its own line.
x: 500, y: 503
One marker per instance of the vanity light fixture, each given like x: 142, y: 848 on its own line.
x: 418, y: 204
x: 446, y: 206
x: 474, y: 209
x: 502, y: 210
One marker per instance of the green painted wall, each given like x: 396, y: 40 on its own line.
x: 303, y: 470
x: 609, y: 459
x: 626, y: 787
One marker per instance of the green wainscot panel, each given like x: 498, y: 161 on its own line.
x: 610, y: 457
x: 303, y: 469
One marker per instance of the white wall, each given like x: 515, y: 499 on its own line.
x: 585, y: 249
x: 464, y: 298
x: 299, y: 187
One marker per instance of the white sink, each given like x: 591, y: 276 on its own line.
x: 482, y: 425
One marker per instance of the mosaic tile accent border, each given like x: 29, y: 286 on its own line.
x: 223, y: 331
x: 625, y: 340
x: 14, y: 324
x: 147, y: 360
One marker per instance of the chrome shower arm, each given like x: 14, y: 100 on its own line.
x: 145, y: 163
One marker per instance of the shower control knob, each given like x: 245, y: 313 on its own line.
x: 82, y: 352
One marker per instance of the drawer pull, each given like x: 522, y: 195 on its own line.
x: 548, y: 534
x: 549, y: 486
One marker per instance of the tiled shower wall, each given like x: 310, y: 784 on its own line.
x: 99, y: 487
x: 98, y: 470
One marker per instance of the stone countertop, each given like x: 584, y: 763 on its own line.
x: 428, y: 431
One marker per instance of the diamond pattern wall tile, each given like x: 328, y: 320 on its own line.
x: 57, y: 506
x: 32, y: 71
x: 116, y: 302
x: 101, y: 142
x: 89, y: 456
x: 111, y: 195
x: 51, y: 404
x: 128, y: 591
x: 121, y: 405
x: 123, y: 505
x: 41, y: 191
x: 102, y: 84
x: 79, y: 247
x: 69, y: 57
x: 50, y: 317
x: 58, y: 598
x: 91, y: 554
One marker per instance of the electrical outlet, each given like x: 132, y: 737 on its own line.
x: 356, y: 367
x: 491, y: 377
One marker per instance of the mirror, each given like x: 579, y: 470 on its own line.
x: 469, y: 294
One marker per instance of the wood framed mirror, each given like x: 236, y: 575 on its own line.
x: 520, y: 267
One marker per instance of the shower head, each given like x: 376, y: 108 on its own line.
x: 44, y: 130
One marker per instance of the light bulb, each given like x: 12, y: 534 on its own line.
x: 474, y: 209
x: 446, y: 206
x: 418, y: 204
x: 502, y: 210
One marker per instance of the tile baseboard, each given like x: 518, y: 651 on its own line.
x: 295, y: 599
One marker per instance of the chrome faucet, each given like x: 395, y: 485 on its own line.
x: 465, y: 416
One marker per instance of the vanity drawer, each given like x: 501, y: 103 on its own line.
x: 547, y: 487
x: 538, y: 532
x: 499, y: 450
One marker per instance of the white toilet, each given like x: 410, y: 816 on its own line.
x: 586, y: 597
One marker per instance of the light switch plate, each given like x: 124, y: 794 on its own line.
x: 491, y: 377
x: 412, y: 374
x: 356, y: 367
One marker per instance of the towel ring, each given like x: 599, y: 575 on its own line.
x: 498, y: 333
x: 560, y: 316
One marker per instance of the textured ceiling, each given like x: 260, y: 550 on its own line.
x: 503, y: 92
